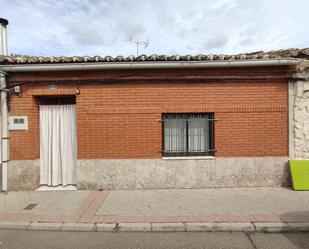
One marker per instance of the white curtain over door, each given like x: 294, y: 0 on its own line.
x: 57, y: 145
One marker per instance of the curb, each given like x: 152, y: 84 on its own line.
x: 266, y: 227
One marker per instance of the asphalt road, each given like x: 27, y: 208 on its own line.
x: 11, y: 239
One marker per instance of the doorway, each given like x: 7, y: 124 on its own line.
x: 57, y: 142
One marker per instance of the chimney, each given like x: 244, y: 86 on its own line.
x: 4, y: 46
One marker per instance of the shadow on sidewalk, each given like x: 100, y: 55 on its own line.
x: 296, y: 238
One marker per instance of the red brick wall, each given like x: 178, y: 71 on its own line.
x: 118, y: 119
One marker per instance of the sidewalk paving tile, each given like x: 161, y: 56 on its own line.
x: 135, y: 219
x: 107, y: 219
x: 95, y: 205
x: 248, y: 218
x: 256, y: 205
x: 229, y: 218
x: 48, y: 202
x: 261, y: 218
x: 300, y: 218
x: 85, y: 204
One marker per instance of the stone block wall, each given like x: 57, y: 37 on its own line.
x: 97, y: 174
x: 160, y: 174
x: 23, y: 175
x: 300, y: 124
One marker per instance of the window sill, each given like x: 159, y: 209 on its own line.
x: 188, y: 158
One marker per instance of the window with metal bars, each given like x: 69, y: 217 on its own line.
x: 188, y: 134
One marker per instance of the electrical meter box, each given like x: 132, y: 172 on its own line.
x: 18, y: 123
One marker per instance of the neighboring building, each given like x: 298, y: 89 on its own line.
x: 157, y: 121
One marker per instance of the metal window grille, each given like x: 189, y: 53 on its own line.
x: 188, y: 134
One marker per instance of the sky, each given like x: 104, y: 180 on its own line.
x: 102, y: 27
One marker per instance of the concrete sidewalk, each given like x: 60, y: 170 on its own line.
x: 233, y: 209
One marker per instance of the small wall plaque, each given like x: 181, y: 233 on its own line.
x: 52, y: 87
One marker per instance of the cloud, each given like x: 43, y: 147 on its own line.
x: 84, y: 35
x: 217, y: 40
x: 132, y: 29
x: 246, y: 42
x: 55, y: 27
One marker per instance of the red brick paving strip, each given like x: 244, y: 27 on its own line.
x: 91, y: 197
x: 93, y: 208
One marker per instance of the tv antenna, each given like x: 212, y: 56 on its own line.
x: 138, y: 42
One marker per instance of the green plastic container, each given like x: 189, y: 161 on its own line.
x: 300, y: 174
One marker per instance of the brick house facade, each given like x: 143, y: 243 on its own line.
x: 120, y: 127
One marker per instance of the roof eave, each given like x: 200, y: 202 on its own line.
x: 147, y: 65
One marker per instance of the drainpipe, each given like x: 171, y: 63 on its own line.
x: 4, y: 110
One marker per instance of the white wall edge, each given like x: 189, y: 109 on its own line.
x: 291, y: 119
